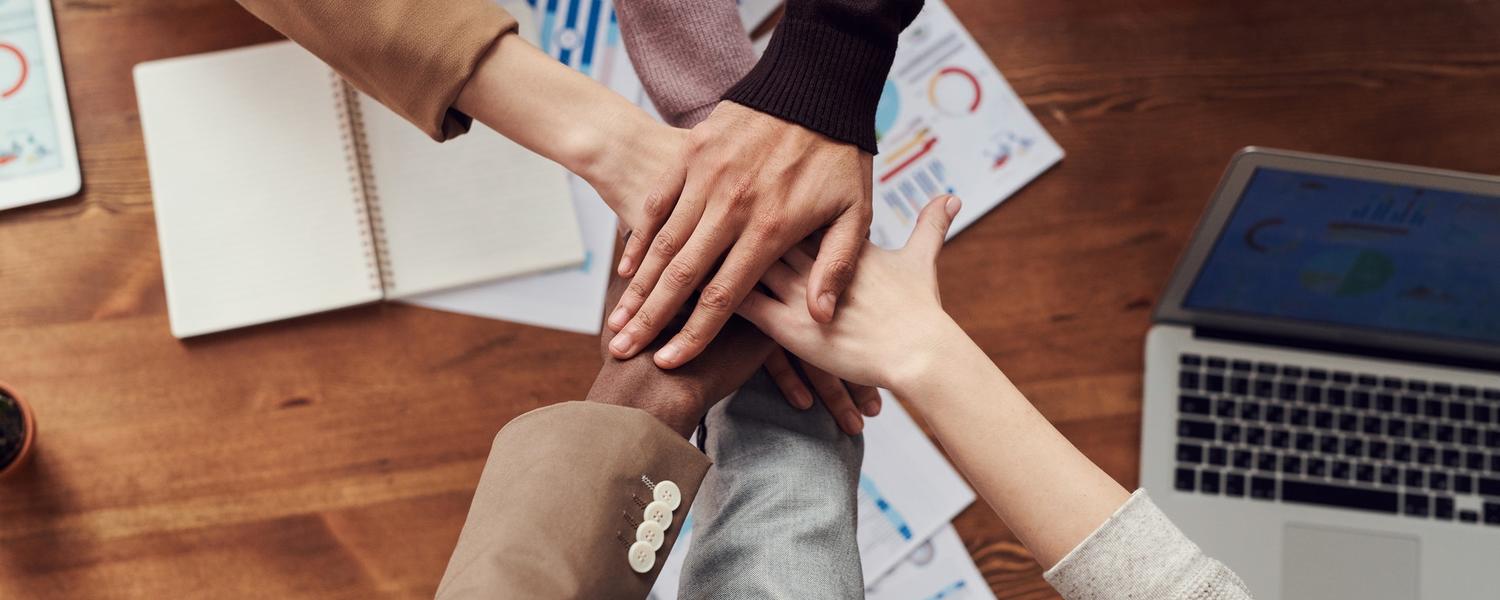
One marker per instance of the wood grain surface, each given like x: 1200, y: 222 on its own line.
x: 334, y: 456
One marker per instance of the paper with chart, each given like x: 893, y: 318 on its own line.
x: 939, y: 569
x: 585, y: 36
x: 949, y: 123
x: 907, y: 493
x: 28, y: 134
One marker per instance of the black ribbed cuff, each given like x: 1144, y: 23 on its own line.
x: 820, y: 78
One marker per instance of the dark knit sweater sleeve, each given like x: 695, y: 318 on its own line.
x: 826, y: 64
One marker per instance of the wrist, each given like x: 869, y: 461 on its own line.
x: 676, y: 406
x: 942, y: 348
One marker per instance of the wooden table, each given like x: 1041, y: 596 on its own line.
x: 334, y: 456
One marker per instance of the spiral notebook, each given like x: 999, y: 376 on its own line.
x: 280, y: 191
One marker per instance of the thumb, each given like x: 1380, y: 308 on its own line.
x: 932, y: 227
x: 833, y: 269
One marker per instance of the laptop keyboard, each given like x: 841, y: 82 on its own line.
x: 1263, y: 431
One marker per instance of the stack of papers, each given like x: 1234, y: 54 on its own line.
x: 908, y: 496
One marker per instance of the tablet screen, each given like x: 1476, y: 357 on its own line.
x: 28, y: 127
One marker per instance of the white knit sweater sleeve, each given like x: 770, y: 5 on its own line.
x: 1138, y: 554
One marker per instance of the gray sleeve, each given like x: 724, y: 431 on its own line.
x: 1139, y: 553
x: 774, y: 517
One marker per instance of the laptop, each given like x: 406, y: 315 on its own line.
x: 1322, y: 395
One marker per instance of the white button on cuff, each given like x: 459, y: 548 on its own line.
x: 658, y: 511
x: 642, y: 557
x: 667, y: 492
x: 651, y: 533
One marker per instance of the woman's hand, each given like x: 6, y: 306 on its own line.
x: 891, y: 326
x: 849, y: 403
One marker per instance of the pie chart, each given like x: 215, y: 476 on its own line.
x: 13, y: 70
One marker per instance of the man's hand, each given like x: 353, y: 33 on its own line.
x: 680, y: 397
x: 755, y: 186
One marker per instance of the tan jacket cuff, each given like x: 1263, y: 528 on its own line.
x: 558, y: 503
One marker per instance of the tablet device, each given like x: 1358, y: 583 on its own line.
x: 38, y: 157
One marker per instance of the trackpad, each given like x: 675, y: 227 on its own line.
x: 1321, y: 563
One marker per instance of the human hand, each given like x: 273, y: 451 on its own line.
x: 680, y: 397
x: 892, y: 324
x: 755, y: 185
x: 629, y: 172
x: 840, y: 398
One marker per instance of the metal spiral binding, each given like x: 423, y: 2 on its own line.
x: 362, y: 184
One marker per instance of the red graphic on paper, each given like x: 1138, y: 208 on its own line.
x: 21, y: 58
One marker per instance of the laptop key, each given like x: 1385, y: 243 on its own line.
x: 1409, y: 405
x: 1189, y: 453
x: 1378, y: 449
x: 1437, y: 481
x: 1234, y: 485
x: 1396, y: 427
x: 1416, y: 504
x: 1360, y: 400
x: 1255, y: 435
x: 1239, y: 385
x: 1307, y: 492
x: 1187, y: 380
x: 1299, y: 417
x: 1401, y: 452
x: 1218, y: 456
x: 1217, y: 362
x: 1224, y: 408
x: 1266, y: 461
x: 1458, y: 411
x: 1317, y: 467
x: 1492, y: 438
x: 1339, y: 469
x: 1286, y: 391
x: 1189, y: 428
x: 1426, y: 454
x: 1432, y: 408
x: 1263, y: 488
x: 1274, y: 413
x: 1372, y: 425
x: 1413, y: 478
x: 1242, y: 459
x: 1390, y: 475
x: 1491, y: 394
x: 1323, y: 419
x: 1480, y: 414
x: 1492, y: 513
x: 1194, y: 405
x: 1336, y: 397
x: 1354, y: 447
x: 1463, y: 484
x: 1328, y: 444
x: 1489, y: 486
x: 1348, y: 422
x: 1303, y: 441
x: 1317, y: 374
x: 1240, y: 365
x: 1451, y: 458
x: 1250, y: 410
x: 1263, y: 388
x: 1474, y: 460
x: 1229, y: 433
x: 1385, y: 402
x: 1467, y: 391
x: 1208, y: 482
x: 1420, y: 430
x: 1291, y: 464
x: 1468, y: 436
x: 1468, y: 516
x: 1364, y: 472
x: 1190, y: 360
x: 1213, y: 382
x: 1185, y: 480
x: 1312, y: 394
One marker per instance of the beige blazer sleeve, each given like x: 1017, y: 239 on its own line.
x: 557, y: 505
x: 413, y: 56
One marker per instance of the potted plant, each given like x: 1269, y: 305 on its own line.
x: 17, y: 430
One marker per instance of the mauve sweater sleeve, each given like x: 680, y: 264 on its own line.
x: 687, y: 53
x: 824, y: 68
x: 1139, y: 553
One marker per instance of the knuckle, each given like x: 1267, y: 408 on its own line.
x: 690, y: 336
x: 665, y: 244
x: 657, y: 204
x: 643, y: 323
x: 742, y: 194
x: 768, y: 229
x: 716, y: 297
x: 637, y: 289
x: 841, y: 271
x: 679, y: 275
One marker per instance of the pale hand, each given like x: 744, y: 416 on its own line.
x: 891, y: 323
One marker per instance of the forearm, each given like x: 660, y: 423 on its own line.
x: 560, y: 114
x: 1048, y: 492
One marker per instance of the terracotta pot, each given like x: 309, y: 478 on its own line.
x: 28, y: 421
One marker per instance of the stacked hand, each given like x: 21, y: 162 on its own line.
x: 753, y: 186
x: 892, y: 323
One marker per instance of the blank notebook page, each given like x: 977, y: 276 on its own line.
x: 475, y: 208
x: 256, y: 210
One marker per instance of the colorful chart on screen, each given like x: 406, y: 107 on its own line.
x: 949, y: 123
x: 28, y: 133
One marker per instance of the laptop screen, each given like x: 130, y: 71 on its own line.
x: 1383, y: 256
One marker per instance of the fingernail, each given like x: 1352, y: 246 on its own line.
x: 804, y: 400
x: 872, y: 409
x: 625, y: 265
x: 850, y: 422
x: 621, y: 343
x: 952, y: 205
x: 617, y: 319
x: 669, y: 354
x: 826, y: 302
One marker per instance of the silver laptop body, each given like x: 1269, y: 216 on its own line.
x: 1322, y: 396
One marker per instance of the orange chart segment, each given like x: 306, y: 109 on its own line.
x: 8, y: 52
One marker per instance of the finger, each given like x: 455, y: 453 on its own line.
x: 865, y: 397
x: 784, y: 282
x: 835, y: 398
x: 655, y: 211
x: 663, y: 248
x: 932, y: 227
x: 676, y: 284
x: 773, y: 318
x: 799, y: 259
x: 792, y: 387
x: 750, y: 257
x: 833, y: 269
